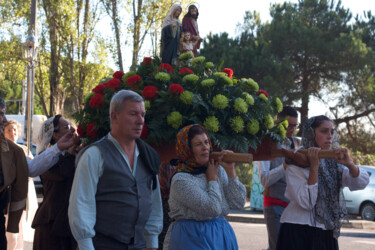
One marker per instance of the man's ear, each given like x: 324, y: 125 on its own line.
x: 113, y: 116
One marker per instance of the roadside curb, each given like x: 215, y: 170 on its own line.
x: 246, y: 216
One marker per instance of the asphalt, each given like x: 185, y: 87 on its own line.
x: 248, y: 215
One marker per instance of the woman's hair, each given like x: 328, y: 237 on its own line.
x: 14, y: 122
x: 196, y: 130
x: 319, y: 120
x: 55, y: 123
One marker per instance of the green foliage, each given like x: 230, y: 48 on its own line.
x: 363, y: 159
x: 245, y: 175
x: 170, y: 110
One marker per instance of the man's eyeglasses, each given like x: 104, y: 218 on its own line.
x: 290, y: 125
x: 67, y: 126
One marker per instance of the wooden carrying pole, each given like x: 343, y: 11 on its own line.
x: 248, y: 158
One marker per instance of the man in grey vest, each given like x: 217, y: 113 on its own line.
x: 115, y: 201
x: 272, y: 178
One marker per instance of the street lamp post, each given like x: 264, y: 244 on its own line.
x: 30, y: 54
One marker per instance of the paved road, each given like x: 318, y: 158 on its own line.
x: 252, y: 236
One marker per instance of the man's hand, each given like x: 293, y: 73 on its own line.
x: 298, y: 158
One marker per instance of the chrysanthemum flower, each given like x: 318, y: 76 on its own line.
x: 285, y: 124
x: 252, y: 127
x: 220, y: 74
x: 126, y: 75
x: 240, y: 105
x: 192, y: 78
x: 186, y: 56
x: 211, y: 124
x: 187, y: 97
x: 174, y: 119
x: 278, y: 104
x: 162, y: 76
x: 228, y: 71
x: 96, y: 101
x: 220, y: 101
x: 262, y: 91
x: 165, y: 67
x: 263, y: 97
x: 175, y: 88
x: 198, y: 59
x: 268, y: 121
x: 237, y: 124
x: 282, y: 131
x: 209, y: 65
x: 208, y: 82
x: 147, y: 104
x: 248, y: 98
x: 184, y: 71
x: 227, y: 80
x: 150, y: 92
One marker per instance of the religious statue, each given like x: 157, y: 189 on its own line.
x: 189, y: 24
x: 188, y: 43
x: 171, y: 33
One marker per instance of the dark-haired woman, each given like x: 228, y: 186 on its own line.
x: 51, y: 223
x: 202, y: 193
x: 312, y: 219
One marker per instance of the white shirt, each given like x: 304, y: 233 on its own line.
x: 303, y: 197
x: 44, y: 161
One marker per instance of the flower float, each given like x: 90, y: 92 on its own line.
x: 236, y: 113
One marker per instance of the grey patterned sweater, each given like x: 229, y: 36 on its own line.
x: 193, y: 197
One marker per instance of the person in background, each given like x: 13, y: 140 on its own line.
x: 272, y: 178
x: 115, y: 201
x: 15, y: 241
x: 202, y: 192
x: 13, y: 181
x: 51, y: 221
x: 312, y: 219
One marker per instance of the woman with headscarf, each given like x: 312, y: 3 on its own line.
x: 12, y: 130
x: 312, y: 219
x: 202, y: 193
x: 51, y: 223
x: 171, y: 34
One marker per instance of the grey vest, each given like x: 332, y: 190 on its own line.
x: 123, y: 201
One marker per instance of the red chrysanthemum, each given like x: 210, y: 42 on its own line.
x: 150, y: 92
x: 99, y: 89
x: 81, y: 130
x: 166, y: 67
x: 186, y: 71
x: 147, y: 60
x: 133, y: 81
x: 176, y: 88
x: 113, y: 84
x: 96, y: 101
x: 92, y: 130
x: 228, y: 71
x: 261, y: 91
x: 118, y: 74
x: 144, y: 133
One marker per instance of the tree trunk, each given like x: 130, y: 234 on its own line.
x: 54, y: 78
x: 117, y: 34
x: 136, y: 31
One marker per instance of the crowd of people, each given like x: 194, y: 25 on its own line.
x: 107, y: 195
x: 116, y: 193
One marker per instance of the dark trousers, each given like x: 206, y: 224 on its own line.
x: 3, y: 204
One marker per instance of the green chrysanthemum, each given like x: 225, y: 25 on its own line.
x: 220, y: 74
x: 240, y: 105
x: 186, y: 56
x: 192, y: 78
x: 253, y: 85
x: 208, y: 82
x: 211, y: 124
x: 220, y: 101
x: 147, y: 104
x: 263, y: 97
x: 278, y: 104
x: 162, y: 76
x: 209, y: 65
x: 237, y: 124
x: 127, y: 75
x: 252, y: 127
x: 268, y: 121
x: 227, y: 80
x: 187, y: 97
x: 282, y: 131
x: 198, y: 59
x: 174, y: 119
x: 285, y: 123
x: 249, y: 98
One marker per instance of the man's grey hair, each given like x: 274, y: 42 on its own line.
x: 2, y: 103
x: 117, y: 101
